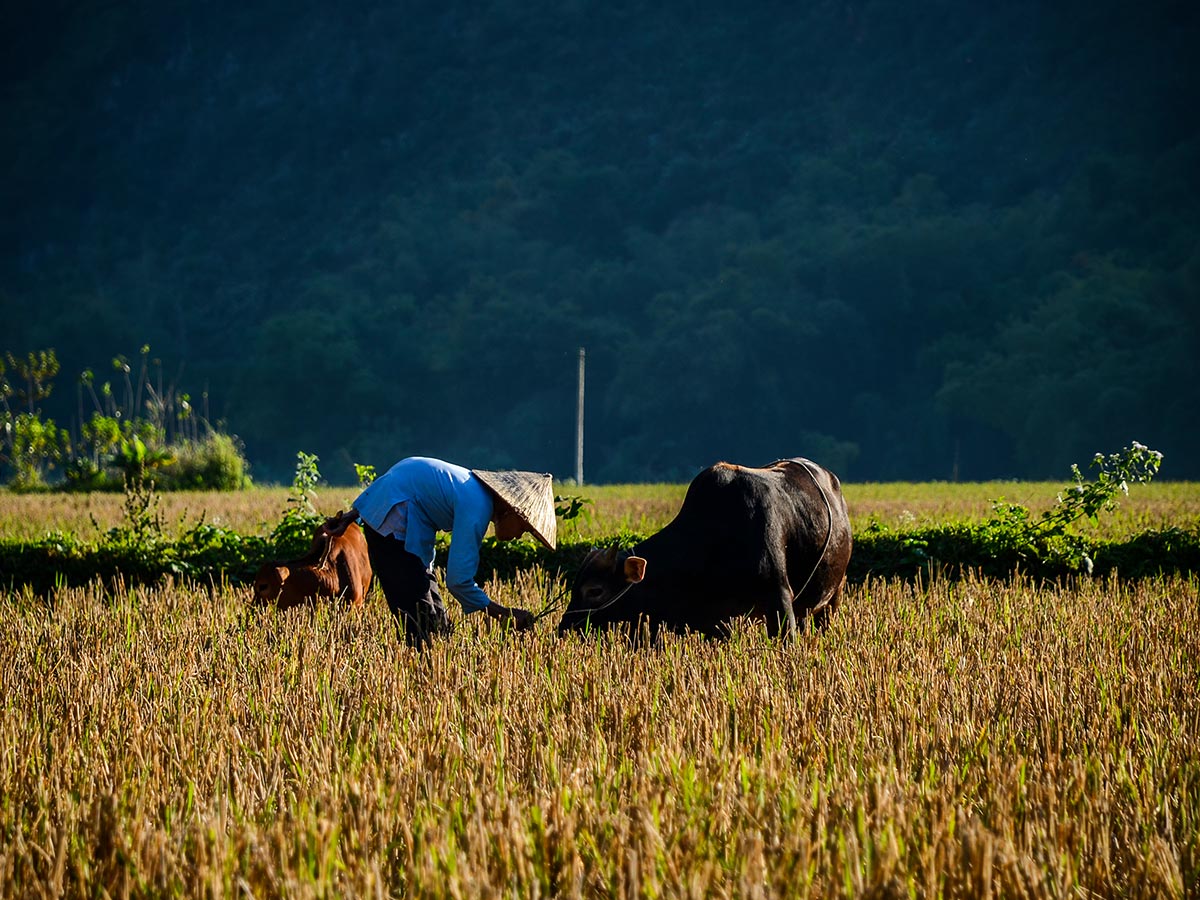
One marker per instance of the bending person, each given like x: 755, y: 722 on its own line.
x: 403, y: 509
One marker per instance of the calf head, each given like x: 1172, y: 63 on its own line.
x: 269, y: 582
x: 603, y: 579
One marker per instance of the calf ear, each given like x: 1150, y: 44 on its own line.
x: 282, y: 572
x: 635, y: 569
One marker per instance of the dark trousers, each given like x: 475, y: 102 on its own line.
x: 411, y: 591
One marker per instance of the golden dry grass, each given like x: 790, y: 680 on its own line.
x: 968, y: 739
x: 639, y: 508
x: 254, y: 511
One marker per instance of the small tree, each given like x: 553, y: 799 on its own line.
x: 30, y: 445
x: 295, y: 530
x: 36, y: 377
x: 33, y: 447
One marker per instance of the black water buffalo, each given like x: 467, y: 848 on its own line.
x: 767, y: 543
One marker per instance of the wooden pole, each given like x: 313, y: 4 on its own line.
x: 579, y: 423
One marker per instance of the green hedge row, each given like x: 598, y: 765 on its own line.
x: 61, y: 560
x: 211, y: 554
x: 956, y: 548
x: 950, y: 549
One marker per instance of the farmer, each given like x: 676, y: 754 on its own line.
x: 404, y: 508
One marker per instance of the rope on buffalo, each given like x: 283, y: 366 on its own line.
x: 594, y: 609
x: 828, y: 532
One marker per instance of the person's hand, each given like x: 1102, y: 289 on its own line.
x: 519, y: 619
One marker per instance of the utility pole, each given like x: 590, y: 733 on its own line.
x: 579, y: 424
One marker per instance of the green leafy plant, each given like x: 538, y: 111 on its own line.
x: 569, y: 507
x: 35, y: 378
x: 33, y: 447
x: 30, y: 445
x: 293, y: 534
x: 214, y: 462
x: 573, y: 509
x: 143, y: 522
x: 364, y: 474
x: 1049, y: 536
x: 144, y: 430
x: 1049, y: 545
x: 135, y: 458
x: 1136, y: 464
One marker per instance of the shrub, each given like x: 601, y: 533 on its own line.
x: 152, y: 433
x: 214, y: 463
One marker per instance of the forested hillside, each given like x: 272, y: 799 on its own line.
x: 910, y: 240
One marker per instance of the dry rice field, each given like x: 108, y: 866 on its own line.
x: 970, y: 738
x: 643, y: 508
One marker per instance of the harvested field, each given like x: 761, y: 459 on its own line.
x: 958, y: 739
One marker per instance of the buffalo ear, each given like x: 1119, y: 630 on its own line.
x: 635, y: 569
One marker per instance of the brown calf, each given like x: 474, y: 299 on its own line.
x: 335, y: 567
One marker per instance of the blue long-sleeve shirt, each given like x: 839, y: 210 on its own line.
x: 418, y: 497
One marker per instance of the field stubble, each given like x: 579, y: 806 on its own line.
x: 962, y: 739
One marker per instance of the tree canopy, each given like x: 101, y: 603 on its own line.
x: 912, y: 241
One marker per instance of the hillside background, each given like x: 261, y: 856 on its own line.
x: 910, y: 240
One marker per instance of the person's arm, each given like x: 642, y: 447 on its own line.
x: 471, y: 595
x: 463, y: 562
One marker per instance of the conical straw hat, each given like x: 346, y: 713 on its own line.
x: 531, y: 496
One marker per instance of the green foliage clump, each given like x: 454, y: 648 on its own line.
x: 293, y: 535
x: 151, y: 432
x: 571, y: 510
x: 29, y: 444
x: 213, y: 463
x: 35, y: 447
x: 1013, y: 538
x: 137, y: 551
x: 1050, y: 536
